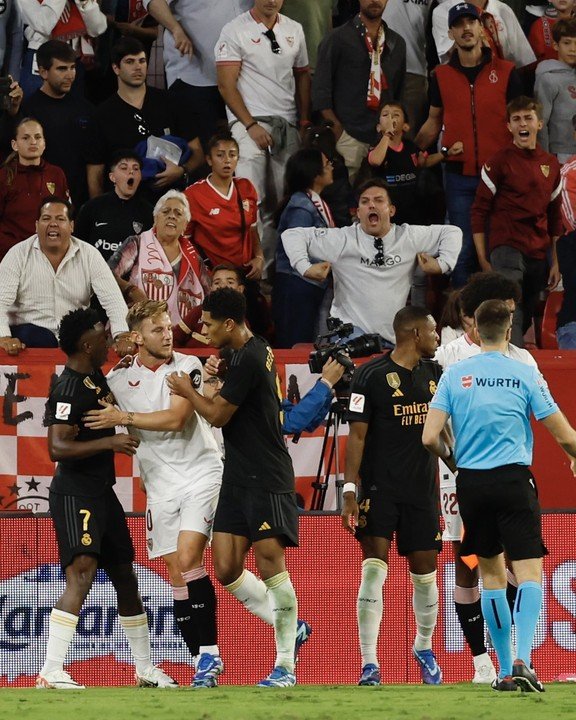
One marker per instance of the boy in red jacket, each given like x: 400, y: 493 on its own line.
x: 520, y: 194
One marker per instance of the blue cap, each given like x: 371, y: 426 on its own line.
x: 460, y: 10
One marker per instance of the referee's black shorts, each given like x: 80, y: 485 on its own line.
x: 91, y: 526
x: 257, y: 514
x: 500, y: 512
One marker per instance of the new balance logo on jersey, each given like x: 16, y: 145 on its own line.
x: 264, y: 526
x: 214, y: 211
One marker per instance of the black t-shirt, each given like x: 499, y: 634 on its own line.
x: 120, y: 125
x: 394, y: 402
x: 72, y: 395
x: 67, y: 124
x: 107, y: 221
x: 400, y: 170
x: 255, y: 453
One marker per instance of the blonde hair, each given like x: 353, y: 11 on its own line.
x: 144, y: 309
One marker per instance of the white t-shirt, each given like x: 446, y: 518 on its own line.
x: 202, y: 21
x: 266, y: 80
x: 169, y: 461
x: 409, y: 20
x: 515, y: 45
x: 463, y: 348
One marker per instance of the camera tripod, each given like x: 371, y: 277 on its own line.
x: 320, y: 485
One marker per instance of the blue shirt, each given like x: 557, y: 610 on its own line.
x: 489, y: 398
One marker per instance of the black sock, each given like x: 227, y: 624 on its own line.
x: 472, y: 624
x: 511, y: 592
x: 202, y: 598
x: 184, y: 620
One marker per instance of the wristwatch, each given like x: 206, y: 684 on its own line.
x: 444, y: 151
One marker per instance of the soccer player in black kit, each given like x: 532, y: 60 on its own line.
x: 89, y: 521
x: 387, y: 410
x: 257, y: 504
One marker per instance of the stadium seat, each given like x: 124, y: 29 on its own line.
x: 551, y: 309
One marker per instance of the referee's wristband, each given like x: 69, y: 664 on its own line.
x: 349, y: 487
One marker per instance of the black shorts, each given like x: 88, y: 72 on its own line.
x: 91, y: 526
x: 417, y: 528
x: 257, y: 514
x: 500, y: 512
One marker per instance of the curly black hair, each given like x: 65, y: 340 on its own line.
x: 73, y: 326
x: 487, y: 286
x: 226, y: 303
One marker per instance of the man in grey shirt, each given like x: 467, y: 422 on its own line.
x: 372, y: 262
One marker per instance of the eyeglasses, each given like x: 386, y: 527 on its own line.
x: 276, y: 49
x: 379, y: 246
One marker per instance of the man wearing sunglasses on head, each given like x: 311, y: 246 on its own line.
x: 264, y: 79
x: 372, y: 262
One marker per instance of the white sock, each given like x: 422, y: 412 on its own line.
x: 61, y: 630
x: 369, y: 607
x: 136, y: 630
x: 425, y: 604
x: 251, y: 592
x: 284, y: 607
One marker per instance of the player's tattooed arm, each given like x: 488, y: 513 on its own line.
x: 62, y: 444
x: 169, y: 420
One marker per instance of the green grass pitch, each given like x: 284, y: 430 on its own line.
x: 304, y: 702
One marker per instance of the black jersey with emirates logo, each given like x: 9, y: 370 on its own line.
x: 393, y: 401
x: 254, y: 448
x: 71, y: 396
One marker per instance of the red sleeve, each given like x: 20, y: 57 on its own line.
x: 536, y: 39
x: 485, y: 193
x: 62, y: 184
x: 555, y: 224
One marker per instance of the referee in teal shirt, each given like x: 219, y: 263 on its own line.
x: 489, y: 399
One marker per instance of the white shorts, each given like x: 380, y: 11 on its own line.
x: 449, y: 504
x: 192, y: 511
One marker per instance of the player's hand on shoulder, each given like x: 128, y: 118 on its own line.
x: 179, y: 384
x: 349, y: 512
x: 124, y: 443
x: 126, y: 362
x: 108, y: 417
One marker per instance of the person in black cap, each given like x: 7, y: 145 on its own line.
x: 468, y: 97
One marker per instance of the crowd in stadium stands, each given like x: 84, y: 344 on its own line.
x: 176, y: 137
